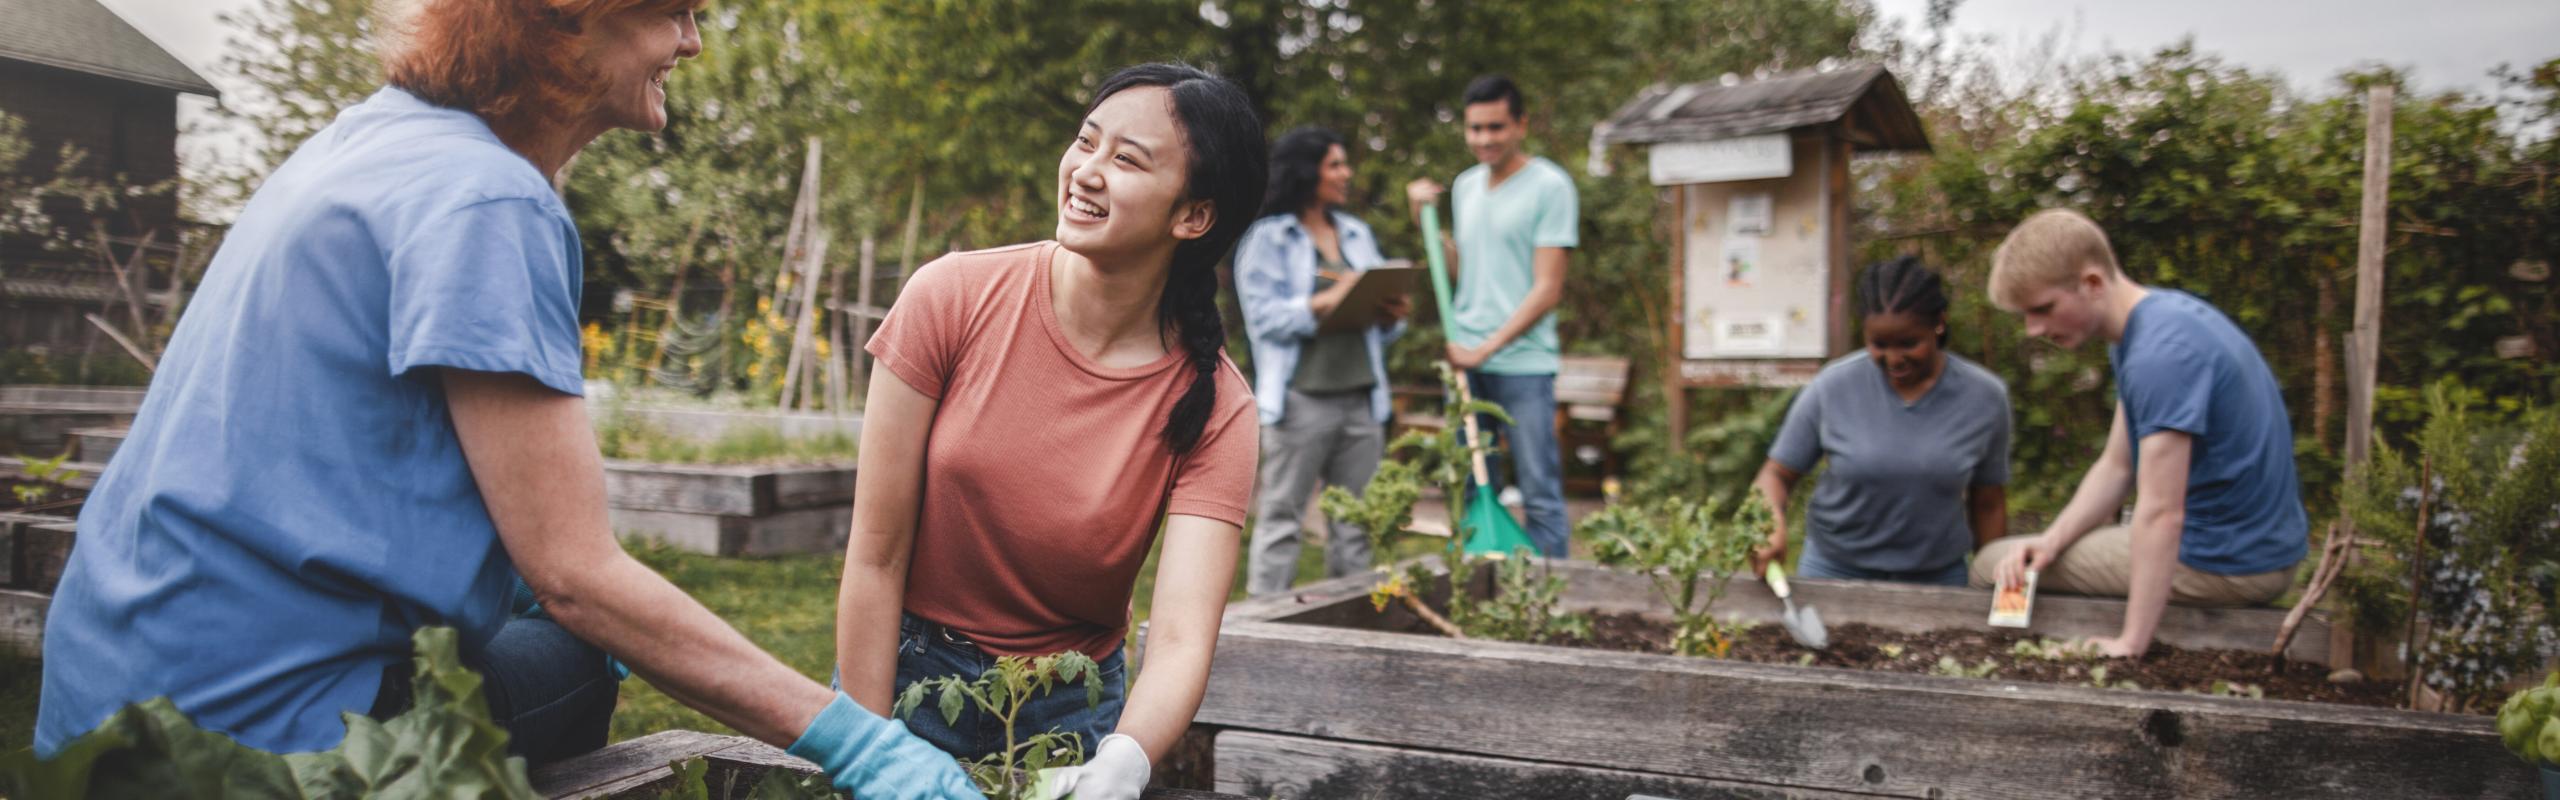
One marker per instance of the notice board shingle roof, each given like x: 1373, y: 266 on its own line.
x: 83, y: 36
x: 1867, y: 97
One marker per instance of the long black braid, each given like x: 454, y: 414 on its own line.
x: 1906, y: 286
x: 1227, y: 168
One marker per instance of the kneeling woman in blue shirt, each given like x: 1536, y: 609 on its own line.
x: 1918, y: 444
x: 370, y: 421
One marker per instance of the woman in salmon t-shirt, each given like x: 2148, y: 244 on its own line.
x: 1043, y: 410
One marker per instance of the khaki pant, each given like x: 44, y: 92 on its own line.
x: 2101, y: 563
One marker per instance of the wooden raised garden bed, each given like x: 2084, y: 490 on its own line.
x: 745, y: 510
x: 39, y: 420
x: 639, y: 768
x: 1318, y: 695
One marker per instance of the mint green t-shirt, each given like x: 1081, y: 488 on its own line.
x: 1498, y: 234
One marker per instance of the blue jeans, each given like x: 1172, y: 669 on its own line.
x: 551, y: 691
x: 1535, y: 459
x: 927, y: 650
x: 1814, y: 564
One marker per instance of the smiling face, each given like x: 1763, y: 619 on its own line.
x: 1333, y: 178
x: 1492, y: 133
x: 631, y: 55
x: 1123, y: 183
x: 2066, y: 314
x: 1905, y: 346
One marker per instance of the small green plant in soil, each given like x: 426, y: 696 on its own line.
x: 1524, y: 605
x: 444, y: 746
x: 2529, y: 722
x: 2098, y: 680
x: 1690, y: 551
x: 2055, y: 650
x: 44, y: 478
x: 1001, y: 692
x: 1950, y: 667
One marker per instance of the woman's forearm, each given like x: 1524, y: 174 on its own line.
x: 1166, y: 694
x: 868, y: 605
x: 1193, y: 574
x: 534, y: 458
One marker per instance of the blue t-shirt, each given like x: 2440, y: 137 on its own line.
x: 292, y: 501
x: 1499, y: 231
x: 2183, y: 366
x: 1893, y: 498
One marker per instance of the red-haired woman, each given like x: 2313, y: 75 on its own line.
x: 370, y: 421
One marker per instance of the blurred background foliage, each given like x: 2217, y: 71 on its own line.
x: 941, y: 123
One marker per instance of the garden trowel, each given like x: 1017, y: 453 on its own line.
x: 1805, y: 624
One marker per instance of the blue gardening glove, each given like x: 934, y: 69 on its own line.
x: 521, y: 603
x: 877, y: 759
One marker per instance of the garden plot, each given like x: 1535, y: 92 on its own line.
x: 38, y: 517
x: 1320, y: 694
x: 643, y: 768
x: 733, y: 510
x: 39, y: 420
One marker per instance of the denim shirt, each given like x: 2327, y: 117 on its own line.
x: 1275, y: 274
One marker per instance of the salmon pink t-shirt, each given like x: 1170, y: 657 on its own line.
x: 1045, y: 481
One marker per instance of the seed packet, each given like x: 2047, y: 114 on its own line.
x: 2012, y: 606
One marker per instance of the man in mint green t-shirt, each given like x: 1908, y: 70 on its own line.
x: 1515, y: 226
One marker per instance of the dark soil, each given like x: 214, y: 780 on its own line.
x: 2164, y: 668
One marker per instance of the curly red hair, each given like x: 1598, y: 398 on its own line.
x: 517, y: 63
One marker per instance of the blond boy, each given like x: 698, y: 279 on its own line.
x: 2201, y: 440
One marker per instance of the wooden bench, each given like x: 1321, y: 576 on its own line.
x: 1588, y: 389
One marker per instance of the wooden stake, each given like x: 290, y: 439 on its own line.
x: 856, y: 355
x: 2364, y: 348
x: 1675, y: 398
x: 802, y: 330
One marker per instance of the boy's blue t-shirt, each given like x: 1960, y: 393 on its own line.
x: 292, y: 501
x: 2183, y: 366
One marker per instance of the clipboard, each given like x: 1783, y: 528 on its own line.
x: 1368, y: 288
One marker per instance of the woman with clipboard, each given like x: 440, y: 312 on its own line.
x: 1320, y: 385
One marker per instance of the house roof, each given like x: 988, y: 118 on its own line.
x: 83, y: 36
x: 1866, y: 97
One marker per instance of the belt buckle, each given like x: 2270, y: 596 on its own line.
x: 953, y: 637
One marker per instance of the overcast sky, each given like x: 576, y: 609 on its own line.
x: 2452, y: 44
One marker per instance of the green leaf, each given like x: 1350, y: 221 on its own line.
x: 444, y: 746
x: 953, y: 699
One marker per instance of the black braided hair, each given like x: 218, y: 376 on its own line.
x: 1906, y: 286
x: 1227, y: 168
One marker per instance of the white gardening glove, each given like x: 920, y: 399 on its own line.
x: 1117, y: 771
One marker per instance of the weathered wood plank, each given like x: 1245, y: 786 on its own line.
x: 812, y: 486
x: 1301, y: 768
x: 625, y: 766
x: 22, y: 622
x: 1915, y: 608
x: 98, y: 445
x: 34, y: 394
x: 643, y: 764
x: 1828, y: 729
x: 739, y: 490
x: 808, y: 530
x: 43, y: 549
x: 689, y: 488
